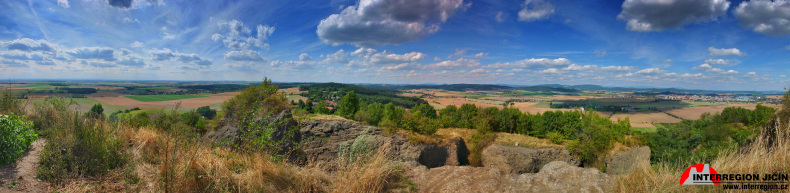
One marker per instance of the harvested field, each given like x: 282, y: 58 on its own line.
x: 567, y: 97
x: 292, y: 91
x: 529, y: 107
x: 186, y: 103
x: 459, y: 102
x: 162, y: 97
x: 645, y: 119
x: 622, y: 99
x: 693, y: 113
x: 406, y: 94
x: 296, y: 98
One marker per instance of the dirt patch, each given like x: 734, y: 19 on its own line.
x: 185, y: 103
x: 406, y: 94
x: 645, y: 119
x: 694, y: 113
x: 20, y: 176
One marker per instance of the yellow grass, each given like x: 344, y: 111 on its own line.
x: 507, y: 139
x: 645, y: 119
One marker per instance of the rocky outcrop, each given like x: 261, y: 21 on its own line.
x: 519, y: 160
x: 557, y: 176
x: 322, y: 140
x: 623, y: 162
x: 282, y: 130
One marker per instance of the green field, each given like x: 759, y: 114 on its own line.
x: 153, y: 88
x: 164, y: 97
x: 84, y: 104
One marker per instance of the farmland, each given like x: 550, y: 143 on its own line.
x: 152, y: 98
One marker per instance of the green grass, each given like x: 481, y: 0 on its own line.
x: 164, y: 97
x: 36, y: 86
x: 644, y: 129
x: 153, y: 88
x: 84, y: 104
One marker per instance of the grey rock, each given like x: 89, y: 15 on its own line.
x: 555, y: 176
x: 519, y: 160
x: 623, y: 162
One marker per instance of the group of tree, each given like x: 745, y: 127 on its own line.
x: 702, y: 139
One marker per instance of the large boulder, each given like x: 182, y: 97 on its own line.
x: 623, y: 162
x: 519, y: 160
x: 283, y: 129
x: 557, y: 176
x: 323, y: 139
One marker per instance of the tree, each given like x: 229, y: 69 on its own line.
x: 349, y: 104
x: 321, y: 108
x: 206, y: 112
x: 424, y: 110
x: 96, y: 111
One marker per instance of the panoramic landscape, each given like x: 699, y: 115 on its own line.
x: 394, y: 96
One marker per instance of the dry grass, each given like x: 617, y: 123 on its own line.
x: 756, y: 158
x: 693, y: 113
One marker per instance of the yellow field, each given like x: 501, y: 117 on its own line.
x: 645, y: 119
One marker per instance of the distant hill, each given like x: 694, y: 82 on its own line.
x: 368, y: 95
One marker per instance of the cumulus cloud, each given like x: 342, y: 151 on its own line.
x: 575, y: 67
x: 534, y: 10
x: 305, y: 57
x: 534, y: 63
x: 481, y: 54
x: 247, y: 55
x: 550, y: 71
x: 339, y: 57
x: 653, y: 15
x: 754, y: 77
x: 238, y: 36
x: 651, y: 71
x: 380, y: 22
x: 709, y: 68
x: 63, y: 3
x: 461, y: 63
x: 383, y: 58
x: 28, y: 45
x: 133, y: 62
x: 725, y: 52
x: 718, y: 61
x: 101, y: 53
x: 136, y: 44
x: 167, y: 55
x: 767, y: 17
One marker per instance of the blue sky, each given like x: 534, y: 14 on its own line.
x: 699, y: 44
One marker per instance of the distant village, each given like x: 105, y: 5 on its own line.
x: 720, y: 98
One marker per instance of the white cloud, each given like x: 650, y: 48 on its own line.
x: 63, y: 3
x: 658, y: 15
x: 575, y: 67
x: 305, y: 57
x: 534, y: 63
x: 755, y: 77
x: 709, y: 68
x: 167, y: 55
x: 102, y: 53
x: 246, y: 55
x: 339, y: 57
x: 651, y: 71
x: 167, y: 35
x: 668, y: 61
x: 717, y: 61
x: 29, y: 45
x: 383, y: 58
x: 461, y: 63
x: 533, y: 10
x: 481, y: 54
x: 238, y: 36
x: 380, y: 22
x: 550, y: 71
x: 767, y: 17
x: 459, y: 52
x: 725, y: 52
x: 136, y: 44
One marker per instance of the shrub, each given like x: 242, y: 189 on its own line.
x: 206, y: 112
x: 80, y: 147
x: 555, y: 137
x: 10, y: 104
x: 16, y: 134
x: 481, y: 139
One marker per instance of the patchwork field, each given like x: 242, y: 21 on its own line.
x: 645, y: 119
x: 83, y: 105
x: 164, y: 97
x: 185, y: 103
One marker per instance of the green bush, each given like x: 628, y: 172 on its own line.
x: 16, y: 135
x: 555, y: 137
